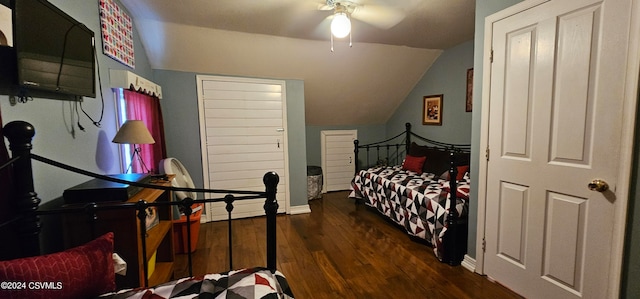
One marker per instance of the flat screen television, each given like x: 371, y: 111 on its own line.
x: 54, y: 52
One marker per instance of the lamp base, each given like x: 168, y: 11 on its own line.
x: 136, y: 153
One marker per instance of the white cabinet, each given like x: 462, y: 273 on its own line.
x: 338, y: 161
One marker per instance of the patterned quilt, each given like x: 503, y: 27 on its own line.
x: 417, y: 202
x: 246, y: 283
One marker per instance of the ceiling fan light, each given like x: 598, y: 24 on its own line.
x: 340, y: 25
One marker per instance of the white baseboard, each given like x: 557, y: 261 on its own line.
x: 469, y: 263
x: 303, y: 209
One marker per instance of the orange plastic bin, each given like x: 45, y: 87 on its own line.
x: 180, y: 231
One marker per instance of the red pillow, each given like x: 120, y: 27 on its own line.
x: 85, y: 271
x: 461, y: 171
x: 414, y: 164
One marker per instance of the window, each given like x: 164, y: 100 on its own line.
x: 133, y: 105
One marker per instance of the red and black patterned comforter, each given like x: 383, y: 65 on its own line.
x: 417, y: 202
x: 251, y: 283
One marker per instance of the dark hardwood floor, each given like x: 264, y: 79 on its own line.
x: 340, y: 250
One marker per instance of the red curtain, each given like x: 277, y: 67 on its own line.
x: 147, y: 109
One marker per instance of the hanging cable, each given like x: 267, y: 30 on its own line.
x: 64, y: 50
x: 78, y: 117
x: 98, y: 122
x: 95, y: 56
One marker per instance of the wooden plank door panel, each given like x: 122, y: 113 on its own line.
x: 337, y: 158
x: 242, y: 129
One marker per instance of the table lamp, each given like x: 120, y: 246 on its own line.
x: 134, y: 132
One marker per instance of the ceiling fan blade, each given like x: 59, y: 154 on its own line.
x: 323, y: 30
x: 324, y: 7
x: 304, y: 7
x: 383, y: 17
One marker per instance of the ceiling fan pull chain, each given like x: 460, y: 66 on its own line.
x: 331, y: 41
x: 350, y: 32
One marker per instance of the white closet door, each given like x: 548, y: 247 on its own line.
x: 338, y: 165
x: 557, y: 112
x: 242, y: 132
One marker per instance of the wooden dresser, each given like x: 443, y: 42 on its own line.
x: 127, y: 243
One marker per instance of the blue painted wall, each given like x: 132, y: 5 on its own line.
x: 631, y: 263
x: 447, y: 76
x: 58, y: 136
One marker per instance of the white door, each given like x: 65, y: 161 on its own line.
x: 338, y: 165
x: 557, y: 94
x: 242, y: 128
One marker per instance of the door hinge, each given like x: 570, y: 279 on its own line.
x: 491, y: 56
x: 486, y: 155
x: 484, y: 245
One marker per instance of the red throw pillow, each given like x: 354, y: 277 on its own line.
x: 461, y: 171
x: 414, y: 164
x: 85, y: 271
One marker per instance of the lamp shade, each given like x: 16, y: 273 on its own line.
x: 133, y: 132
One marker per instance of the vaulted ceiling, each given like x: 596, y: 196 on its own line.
x: 289, y: 39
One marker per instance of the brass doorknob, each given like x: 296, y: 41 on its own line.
x: 598, y: 185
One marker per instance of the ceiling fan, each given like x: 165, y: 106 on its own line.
x: 380, y: 16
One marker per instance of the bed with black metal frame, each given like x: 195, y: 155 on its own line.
x: 411, y: 185
x: 86, y: 271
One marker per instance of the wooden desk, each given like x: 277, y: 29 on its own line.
x: 126, y: 228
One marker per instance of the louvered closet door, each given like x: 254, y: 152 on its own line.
x: 242, y: 132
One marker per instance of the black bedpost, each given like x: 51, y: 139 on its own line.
x: 408, y: 137
x: 455, y: 240
x: 450, y: 240
x: 355, y: 152
x: 187, y: 202
x: 270, y: 181
x: 20, y: 134
x: 229, y: 199
x: 141, y: 207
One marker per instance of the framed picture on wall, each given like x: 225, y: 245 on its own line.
x: 117, y: 33
x: 469, y: 102
x: 432, y: 110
